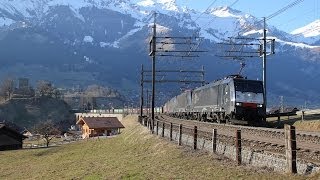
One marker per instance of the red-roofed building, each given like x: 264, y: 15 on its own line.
x: 99, y: 126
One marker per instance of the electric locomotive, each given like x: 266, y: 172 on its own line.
x: 233, y: 99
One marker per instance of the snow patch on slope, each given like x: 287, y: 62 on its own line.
x: 253, y: 32
x: 6, y: 21
x: 146, y: 3
x: 160, y: 29
x: 88, y: 39
x: 310, y: 30
x: 116, y: 43
x: 295, y: 44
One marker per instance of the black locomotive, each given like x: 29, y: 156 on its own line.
x: 233, y: 99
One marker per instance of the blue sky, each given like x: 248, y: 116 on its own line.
x: 295, y: 17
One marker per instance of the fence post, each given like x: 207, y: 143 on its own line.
x: 152, y: 126
x: 302, y: 115
x: 291, y: 148
x: 170, y: 131
x: 279, y: 119
x: 214, y: 140
x: 157, y: 127
x: 162, y: 133
x: 180, y: 135
x: 148, y: 123
x: 195, y: 137
x: 238, y: 147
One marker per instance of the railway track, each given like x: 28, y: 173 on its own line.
x: 267, y: 139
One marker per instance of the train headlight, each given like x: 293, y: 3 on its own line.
x: 260, y: 105
x: 238, y: 104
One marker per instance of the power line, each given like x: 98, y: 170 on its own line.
x: 280, y: 11
x: 196, y: 47
x: 293, y: 19
x: 213, y: 18
x: 235, y: 2
x: 197, y: 31
x: 206, y: 9
x: 283, y: 9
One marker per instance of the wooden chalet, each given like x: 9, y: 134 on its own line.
x: 99, y: 126
x: 10, y: 139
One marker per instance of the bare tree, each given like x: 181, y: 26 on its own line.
x: 100, y: 91
x: 44, y: 88
x: 7, y: 87
x: 48, y: 131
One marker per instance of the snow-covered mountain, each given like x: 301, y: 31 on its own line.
x: 216, y: 24
x: 309, y: 33
x: 310, y: 30
x: 76, y: 42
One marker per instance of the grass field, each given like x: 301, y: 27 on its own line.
x: 311, y: 122
x: 135, y: 154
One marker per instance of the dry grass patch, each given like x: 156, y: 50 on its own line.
x: 308, y: 125
x: 311, y: 122
x: 135, y: 154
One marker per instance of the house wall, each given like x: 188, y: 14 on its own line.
x: 87, y: 132
x: 9, y: 143
x: 104, y: 132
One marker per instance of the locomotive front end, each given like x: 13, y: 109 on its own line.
x: 248, y: 102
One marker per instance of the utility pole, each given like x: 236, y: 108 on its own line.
x: 154, y: 38
x: 141, y: 98
x: 164, y: 50
x: 281, y: 104
x: 264, y: 58
x: 148, y: 103
x: 202, y: 75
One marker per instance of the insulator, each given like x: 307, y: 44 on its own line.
x: 272, y: 46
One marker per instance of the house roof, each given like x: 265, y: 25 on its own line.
x: 11, y: 131
x: 101, y: 122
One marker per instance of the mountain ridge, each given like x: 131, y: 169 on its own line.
x: 13, y: 13
x: 104, y: 42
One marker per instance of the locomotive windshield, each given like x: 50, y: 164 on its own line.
x: 249, y: 86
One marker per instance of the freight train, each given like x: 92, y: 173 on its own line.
x: 233, y: 99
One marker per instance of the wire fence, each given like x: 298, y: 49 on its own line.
x: 232, y: 145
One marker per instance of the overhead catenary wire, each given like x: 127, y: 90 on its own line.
x: 235, y: 2
x: 197, y: 31
x: 207, y: 9
x: 280, y: 11
x: 283, y: 9
x: 293, y: 19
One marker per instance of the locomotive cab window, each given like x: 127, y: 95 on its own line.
x: 249, y: 86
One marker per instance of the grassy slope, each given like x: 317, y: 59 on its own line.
x: 135, y: 154
x: 308, y: 125
x: 311, y: 122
